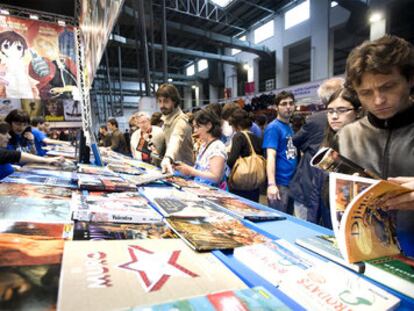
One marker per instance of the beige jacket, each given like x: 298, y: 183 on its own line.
x: 178, y: 140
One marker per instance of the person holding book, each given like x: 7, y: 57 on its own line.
x: 211, y: 160
x: 381, y: 73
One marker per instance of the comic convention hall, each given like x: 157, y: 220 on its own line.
x: 206, y: 155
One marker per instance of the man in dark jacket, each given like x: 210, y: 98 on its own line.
x: 118, y: 143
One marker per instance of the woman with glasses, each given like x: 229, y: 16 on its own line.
x: 343, y: 107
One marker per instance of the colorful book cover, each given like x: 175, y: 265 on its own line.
x: 367, y: 228
x: 125, y: 169
x: 32, y: 179
x: 31, y: 243
x: 256, y: 298
x: 29, y: 287
x: 330, y: 287
x: 185, y: 183
x: 146, y: 178
x: 175, y: 203
x: 205, y: 234
x: 396, y: 272
x: 110, y: 231
x: 95, y: 170
x: 275, y: 260
x: 109, y: 275
x: 35, y: 191
x: 67, y: 166
x: 342, y: 189
x: 30, y: 209
x: 123, y: 207
x: 104, y: 183
x: 327, y: 246
x: 238, y: 207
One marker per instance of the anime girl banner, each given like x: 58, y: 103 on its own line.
x: 37, y: 60
x: 97, y: 20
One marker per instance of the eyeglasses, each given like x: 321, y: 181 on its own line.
x: 338, y: 111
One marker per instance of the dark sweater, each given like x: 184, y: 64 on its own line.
x: 240, y: 147
x: 9, y: 156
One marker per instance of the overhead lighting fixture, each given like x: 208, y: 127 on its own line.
x: 170, y: 80
x: 4, y: 12
x: 222, y: 3
x: 61, y: 23
x: 246, y: 67
x: 334, y: 4
x: 375, y: 17
x: 33, y: 16
x: 193, y: 87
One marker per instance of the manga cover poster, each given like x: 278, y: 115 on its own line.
x: 37, y: 60
x: 97, y: 19
x: 53, y: 109
x: 72, y: 110
x: 7, y: 105
x: 33, y: 107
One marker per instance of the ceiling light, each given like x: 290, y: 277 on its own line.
x: 4, y: 12
x: 61, y: 23
x: 170, y: 80
x: 375, y: 17
x: 193, y: 87
x: 33, y: 16
x: 246, y: 67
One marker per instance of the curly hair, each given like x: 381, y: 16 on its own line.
x: 168, y: 90
x: 204, y: 117
x: 380, y: 57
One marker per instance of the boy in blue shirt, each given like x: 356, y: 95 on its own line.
x: 40, y: 139
x: 280, y: 152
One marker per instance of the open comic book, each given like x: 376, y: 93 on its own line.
x: 365, y: 229
x: 331, y: 161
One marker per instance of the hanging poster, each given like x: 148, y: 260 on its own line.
x: 7, y: 105
x: 33, y: 107
x: 72, y: 110
x: 37, y: 60
x: 97, y: 20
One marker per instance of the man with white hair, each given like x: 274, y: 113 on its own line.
x: 148, y: 142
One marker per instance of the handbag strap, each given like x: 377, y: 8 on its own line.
x: 205, y: 149
x: 252, y: 151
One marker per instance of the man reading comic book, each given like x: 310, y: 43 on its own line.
x: 381, y: 72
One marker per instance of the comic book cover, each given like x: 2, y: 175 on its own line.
x: 31, y: 243
x: 205, y: 234
x: 115, y: 275
x: 110, y: 231
x: 31, y: 209
x: 29, y: 287
x: 35, y: 191
x: 367, y: 229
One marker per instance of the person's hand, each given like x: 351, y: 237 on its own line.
x: 273, y: 193
x: 404, y: 201
x: 12, y: 284
x: 56, y: 161
x: 166, y: 166
x: 184, y: 169
x: 28, y: 136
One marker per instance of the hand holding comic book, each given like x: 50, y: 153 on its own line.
x: 404, y: 201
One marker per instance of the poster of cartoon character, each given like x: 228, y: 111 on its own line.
x: 9, y: 104
x: 33, y: 107
x: 37, y: 60
x: 72, y: 110
x: 53, y: 109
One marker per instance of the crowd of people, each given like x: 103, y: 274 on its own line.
x: 369, y: 118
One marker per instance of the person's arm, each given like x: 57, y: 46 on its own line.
x: 176, y: 139
x: 9, y: 156
x: 215, y: 173
x: 235, y: 151
x: 55, y: 142
x: 30, y: 158
x: 272, y: 189
x: 403, y: 201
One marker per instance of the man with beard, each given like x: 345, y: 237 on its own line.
x: 177, y: 129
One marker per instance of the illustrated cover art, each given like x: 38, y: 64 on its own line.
x: 72, y: 110
x: 7, y: 105
x: 32, y: 179
x: 125, y: 207
x: 186, y: 183
x: 125, y: 169
x: 29, y: 287
x: 276, y: 260
x: 146, y: 178
x: 330, y: 287
x: 104, y: 183
x: 30, y: 209
x: 367, y: 228
x: 205, y: 234
x: 110, y: 231
x: 95, y: 170
x: 35, y: 191
x: 30, y: 243
x: 113, y: 275
x: 67, y: 166
x: 256, y: 298
x: 342, y: 190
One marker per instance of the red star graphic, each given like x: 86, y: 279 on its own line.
x: 154, y: 269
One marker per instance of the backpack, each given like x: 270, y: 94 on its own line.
x: 248, y: 173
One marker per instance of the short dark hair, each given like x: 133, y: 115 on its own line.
x: 17, y: 115
x: 379, y: 57
x: 156, y: 118
x: 282, y: 95
x: 228, y: 110
x: 261, y: 119
x: 346, y: 94
x: 113, y: 121
x: 4, y: 127
x: 204, y: 117
x: 240, y: 119
x: 216, y: 108
x: 103, y: 126
x: 12, y: 37
x: 35, y: 121
x: 168, y: 90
